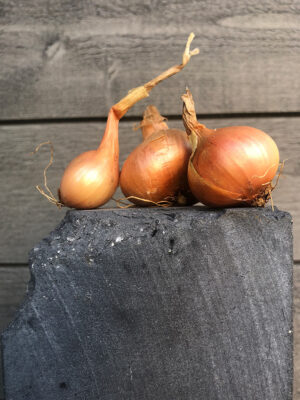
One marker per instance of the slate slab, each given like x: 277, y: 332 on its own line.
x: 164, y: 304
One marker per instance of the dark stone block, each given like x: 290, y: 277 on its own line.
x: 163, y: 304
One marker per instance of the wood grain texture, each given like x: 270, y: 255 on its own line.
x: 63, y: 59
x: 27, y: 217
x: 13, y: 283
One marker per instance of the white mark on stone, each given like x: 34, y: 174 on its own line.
x: 70, y: 239
x: 36, y: 249
x: 58, y: 251
x: 73, y: 249
x: 112, y: 244
x: 163, y: 232
x: 170, y: 251
x: 290, y: 331
x: 130, y: 371
x: 141, y: 229
x: 139, y: 241
x: 119, y: 239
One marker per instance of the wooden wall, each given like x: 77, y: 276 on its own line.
x: 63, y: 63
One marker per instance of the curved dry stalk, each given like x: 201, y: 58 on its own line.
x: 141, y: 92
x: 187, y: 54
x: 49, y: 196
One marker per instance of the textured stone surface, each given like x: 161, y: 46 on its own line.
x: 156, y: 304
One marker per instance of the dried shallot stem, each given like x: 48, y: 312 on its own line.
x: 152, y: 122
x: 189, y: 116
x: 142, y: 92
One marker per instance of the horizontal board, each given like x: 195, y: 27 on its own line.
x: 27, y: 216
x: 13, y: 282
x: 75, y: 59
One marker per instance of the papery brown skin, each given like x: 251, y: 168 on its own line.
x: 156, y: 170
x: 231, y: 166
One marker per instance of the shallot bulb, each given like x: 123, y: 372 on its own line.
x: 229, y: 166
x: 156, y: 171
x: 91, y: 179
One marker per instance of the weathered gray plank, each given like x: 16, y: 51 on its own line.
x: 27, y: 217
x: 76, y: 58
x: 13, y: 283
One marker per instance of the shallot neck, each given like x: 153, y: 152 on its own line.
x: 152, y: 122
x: 189, y: 116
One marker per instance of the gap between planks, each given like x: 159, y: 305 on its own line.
x: 138, y: 118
